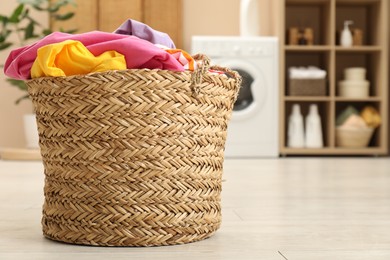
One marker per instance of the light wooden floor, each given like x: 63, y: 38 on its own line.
x: 304, y: 208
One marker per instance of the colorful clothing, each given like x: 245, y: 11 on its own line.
x: 73, y: 58
x: 184, y: 58
x: 138, y: 53
x: 181, y: 56
x: 143, y: 31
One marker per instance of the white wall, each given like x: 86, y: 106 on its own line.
x: 221, y: 17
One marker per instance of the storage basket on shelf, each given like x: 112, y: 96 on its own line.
x: 353, y: 137
x: 307, y: 87
x: 134, y: 157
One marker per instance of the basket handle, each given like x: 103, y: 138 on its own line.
x: 197, y: 76
x: 230, y: 73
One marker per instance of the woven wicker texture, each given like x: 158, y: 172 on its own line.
x: 307, y: 87
x: 133, y: 158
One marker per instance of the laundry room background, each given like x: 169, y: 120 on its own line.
x: 200, y: 17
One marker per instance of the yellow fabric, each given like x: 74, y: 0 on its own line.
x: 73, y: 58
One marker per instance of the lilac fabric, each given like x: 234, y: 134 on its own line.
x: 143, y: 31
x: 138, y: 53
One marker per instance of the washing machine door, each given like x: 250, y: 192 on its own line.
x: 252, y: 130
x: 252, y: 93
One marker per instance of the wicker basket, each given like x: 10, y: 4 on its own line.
x: 353, y: 138
x: 134, y: 157
x: 307, y: 87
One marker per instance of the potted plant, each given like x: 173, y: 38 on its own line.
x: 20, y: 25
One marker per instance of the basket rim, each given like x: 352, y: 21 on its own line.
x: 80, y: 76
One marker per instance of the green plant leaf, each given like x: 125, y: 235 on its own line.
x: 4, y: 35
x: 32, y: 20
x: 16, y: 14
x: 5, y: 45
x: 21, y: 99
x: 38, y: 8
x: 21, y: 23
x: 56, y: 6
x: 20, y: 84
x: 46, y: 32
x: 29, y: 2
x: 2, y: 38
x: 64, y: 17
x: 53, y: 9
x: 36, y: 4
x: 24, y: 14
x: 29, y: 31
x: 3, y: 19
x: 71, y: 31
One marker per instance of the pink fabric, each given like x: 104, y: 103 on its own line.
x: 138, y: 53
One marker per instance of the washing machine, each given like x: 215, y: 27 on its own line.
x: 253, y: 129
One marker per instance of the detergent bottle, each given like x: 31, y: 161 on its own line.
x: 295, y: 132
x: 346, y: 35
x: 313, y: 129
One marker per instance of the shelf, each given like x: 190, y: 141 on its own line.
x: 357, y: 2
x: 326, y: 20
x: 307, y: 2
x: 366, y: 15
x: 307, y: 48
x: 324, y: 48
x: 367, y: 99
x: 333, y: 151
x: 327, y: 98
x: 307, y: 98
x: 363, y: 49
x: 313, y: 14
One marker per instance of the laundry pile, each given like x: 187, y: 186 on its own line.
x: 355, y: 128
x: 133, y: 45
x: 351, y: 118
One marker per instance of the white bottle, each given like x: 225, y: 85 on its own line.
x: 346, y: 35
x: 296, y: 133
x: 313, y: 136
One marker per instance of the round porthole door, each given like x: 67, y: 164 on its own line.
x: 253, y: 92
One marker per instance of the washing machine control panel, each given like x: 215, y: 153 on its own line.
x: 234, y: 46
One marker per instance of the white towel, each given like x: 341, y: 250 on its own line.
x: 310, y: 72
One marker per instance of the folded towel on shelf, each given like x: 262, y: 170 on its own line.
x: 310, y: 72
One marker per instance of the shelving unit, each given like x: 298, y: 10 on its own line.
x: 326, y: 18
